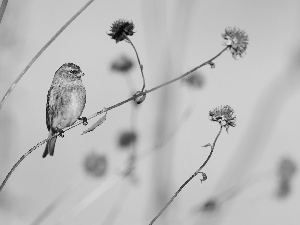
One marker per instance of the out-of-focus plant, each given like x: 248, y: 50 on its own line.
x: 122, y: 64
x: 195, y: 80
x: 2, y: 8
x: 95, y: 164
x: 126, y: 139
x: 286, y: 171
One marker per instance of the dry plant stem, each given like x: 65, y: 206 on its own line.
x: 211, y: 151
x: 103, y: 111
x: 141, y: 66
x: 42, y: 50
x: 2, y: 8
x: 188, y: 180
x: 162, y: 85
x: 22, y: 158
x: 187, y: 73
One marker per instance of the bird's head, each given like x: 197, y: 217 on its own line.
x: 73, y: 70
x: 70, y: 71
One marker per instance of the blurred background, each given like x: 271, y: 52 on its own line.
x: 128, y: 168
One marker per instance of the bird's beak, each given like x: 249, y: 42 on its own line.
x: 82, y: 74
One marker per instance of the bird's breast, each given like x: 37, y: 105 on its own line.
x: 76, y: 106
x: 72, y: 102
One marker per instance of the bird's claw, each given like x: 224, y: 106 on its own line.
x: 84, y: 120
x: 61, y: 133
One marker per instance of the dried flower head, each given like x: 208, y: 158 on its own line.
x: 236, y: 40
x: 127, y: 138
x: 120, y: 29
x: 122, y: 64
x: 223, y: 115
x: 95, y: 164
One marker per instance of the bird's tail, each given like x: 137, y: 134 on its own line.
x: 50, y: 145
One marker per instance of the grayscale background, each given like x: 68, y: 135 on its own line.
x: 244, y: 184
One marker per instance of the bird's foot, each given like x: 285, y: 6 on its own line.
x: 61, y: 133
x: 84, y: 120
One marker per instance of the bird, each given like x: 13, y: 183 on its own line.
x: 65, y: 102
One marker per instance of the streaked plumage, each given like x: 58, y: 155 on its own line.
x: 65, y: 101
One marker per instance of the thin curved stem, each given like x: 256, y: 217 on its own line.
x: 187, y: 73
x: 141, y: 66
x: 103, y: 111
x: 155, y: 88
x: 42, y: 50
x: 211, y: 151
x: 22, y: 158
x: 2, y: 8
x: 188, y: 180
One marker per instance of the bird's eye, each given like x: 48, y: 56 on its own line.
x: 73, y: 71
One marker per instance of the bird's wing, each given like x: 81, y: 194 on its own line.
x: 52, y: 106
x: 48, y: 120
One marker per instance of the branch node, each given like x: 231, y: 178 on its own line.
x: 138, y: 98
x: 207, y: 145
x: 212, y: 64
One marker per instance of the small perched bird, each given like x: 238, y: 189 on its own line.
x: 65, y: 102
